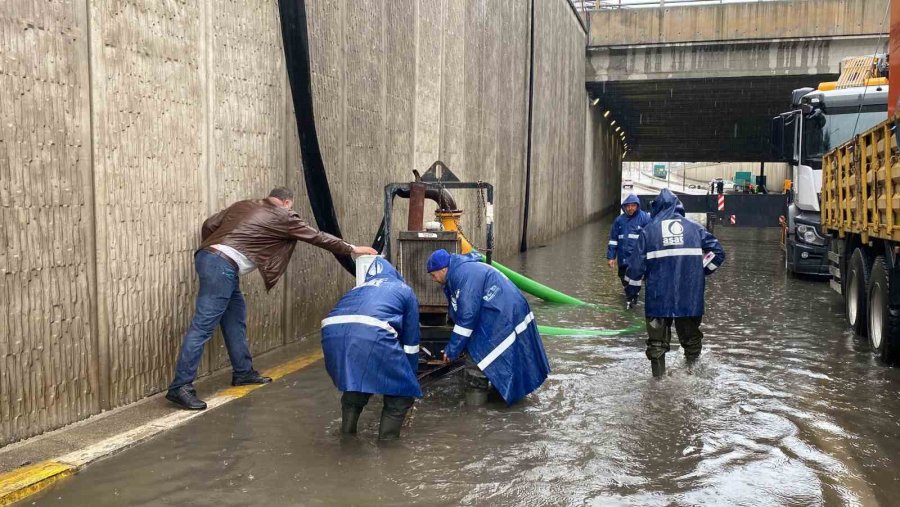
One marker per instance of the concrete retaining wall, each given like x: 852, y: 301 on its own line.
x: 124, y: 124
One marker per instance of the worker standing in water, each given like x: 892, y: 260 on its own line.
x: 493, y: 324
x: 371, y: 345
x: 622, y: 237
x: 673, y: 255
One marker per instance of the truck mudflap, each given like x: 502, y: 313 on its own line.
x: 835, y: 286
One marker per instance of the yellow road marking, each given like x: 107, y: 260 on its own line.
x: 28, y: 480
x: 21, y: 482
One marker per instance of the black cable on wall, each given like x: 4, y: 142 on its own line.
x: 524, y: 244
x: 295, y: 39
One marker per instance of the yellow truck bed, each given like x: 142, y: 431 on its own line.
x: 861, y: 186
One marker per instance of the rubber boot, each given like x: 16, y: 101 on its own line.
x: 691, y: 361
x: 658, y: 367
x: 389, y: 429
x: 349, y: 420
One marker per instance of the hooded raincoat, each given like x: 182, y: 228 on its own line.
x: 371, y: 337
x: 625, y: 231
x: 495, y: 325
x: 673, y: 255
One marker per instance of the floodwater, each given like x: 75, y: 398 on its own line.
x: 786, y: 408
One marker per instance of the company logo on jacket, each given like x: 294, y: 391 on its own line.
x: 672, y: 232
x: 491, y: 293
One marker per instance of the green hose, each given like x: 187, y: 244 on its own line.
x: 536, y: 289
x: 562, y: 331
x: 541, y: 291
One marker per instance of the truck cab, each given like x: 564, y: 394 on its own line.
x: 819, y: 121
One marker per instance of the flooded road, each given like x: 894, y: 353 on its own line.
x: 786, y: 408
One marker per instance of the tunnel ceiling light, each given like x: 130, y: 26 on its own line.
x: 618, y: 129
x: 612, y: 123
x: 606, y: 114
x: 595, y: 102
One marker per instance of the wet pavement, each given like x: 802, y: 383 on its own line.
x: 786, y: 408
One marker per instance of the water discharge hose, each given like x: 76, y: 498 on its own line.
x: 534, y: 288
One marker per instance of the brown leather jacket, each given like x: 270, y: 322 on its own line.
x: 266, y: 234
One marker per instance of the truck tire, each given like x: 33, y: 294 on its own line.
x: 855, y: 296
x: 883, y: 322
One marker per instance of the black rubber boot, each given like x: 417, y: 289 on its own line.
x: 658, y: 366
x: 691, y: 361
x: 392, y: 416
x: 349, y: 420
x: 390, y: 426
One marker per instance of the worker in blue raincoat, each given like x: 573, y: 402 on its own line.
x: 623, y: 236
x: 672, y: 256
x: 371, y: 345
x: 493, y: 324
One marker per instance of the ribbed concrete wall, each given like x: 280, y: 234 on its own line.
x: 124, y: 124
x: 560, y: 195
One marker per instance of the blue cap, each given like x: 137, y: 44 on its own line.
x: 439, y: 259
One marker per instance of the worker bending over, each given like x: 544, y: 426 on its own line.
x: 371, y: 345
x: 493, y: 324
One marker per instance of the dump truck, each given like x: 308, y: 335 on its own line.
x: 819, y: 120
x: 861, y: 214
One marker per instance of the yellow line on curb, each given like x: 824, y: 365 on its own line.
x: 28, y: 480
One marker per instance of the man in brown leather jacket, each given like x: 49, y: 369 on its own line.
x: 248, y: 235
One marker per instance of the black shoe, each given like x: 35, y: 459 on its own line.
x: 250, y: 378
x: 631, y: 303
x: 185, y: 397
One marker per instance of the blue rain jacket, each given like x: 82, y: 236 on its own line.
x: 371, y: 337
x: 494, y: 324
x: 669, y: 256
x: 625, y: 231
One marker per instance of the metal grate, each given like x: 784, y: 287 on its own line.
x: 415, y: 247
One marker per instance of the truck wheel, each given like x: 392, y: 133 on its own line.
x: 884, y: 325
x: 855, y: 297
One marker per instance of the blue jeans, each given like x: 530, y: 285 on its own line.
x: 219, y: 301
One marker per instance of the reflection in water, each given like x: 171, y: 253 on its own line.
x: 787, y: 408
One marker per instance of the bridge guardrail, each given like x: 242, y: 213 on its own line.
x: 594, y: 5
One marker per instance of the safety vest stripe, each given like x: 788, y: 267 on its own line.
x: 411, y: 349
x: 613, y: 243
x: 359, y: 319
x: 524, y: 324
x: 462, y: 331
x: 636, y: 283
x: 634, y: 236
x: 674, y: 252
x: 506, y: 343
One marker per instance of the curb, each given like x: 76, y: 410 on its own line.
x: 30, y: 479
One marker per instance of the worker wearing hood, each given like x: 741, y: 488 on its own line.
x: 371, y: 345
x: 493, y: 324
x: 672, y: 256
x: 624, y: 235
